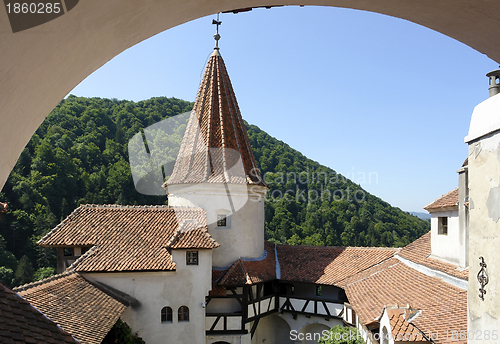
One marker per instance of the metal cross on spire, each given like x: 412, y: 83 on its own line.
x: 217, y: 36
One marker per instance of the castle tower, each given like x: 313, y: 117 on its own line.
x: 216, y: 170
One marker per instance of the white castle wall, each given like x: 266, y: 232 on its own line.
x: 187, y: 286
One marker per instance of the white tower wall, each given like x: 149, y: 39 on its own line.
x: 243, y: 235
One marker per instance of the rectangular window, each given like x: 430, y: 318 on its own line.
x: 221, y: 221
x: 318, y: 290
x: 192, y: 257
x: 442, y: 225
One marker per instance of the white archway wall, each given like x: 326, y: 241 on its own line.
x: 272, y: 329
x: 41, y: 65
x: 313, y: 332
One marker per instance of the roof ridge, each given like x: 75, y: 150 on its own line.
x: 428, y: 206
x: 342, y: 247
x: 26, y: 302
x: 60, y: 224
x: 361, y: 271
x: 35, y: 284
x: 73, y: 266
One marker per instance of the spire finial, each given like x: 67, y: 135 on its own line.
x: 217, y: 36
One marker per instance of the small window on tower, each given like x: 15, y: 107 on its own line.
x: 318, y: 290
x: 442, y: 225
x: 192, y: 257
x: 221, y: 221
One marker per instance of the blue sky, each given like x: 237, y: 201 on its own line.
x: 356, y: 91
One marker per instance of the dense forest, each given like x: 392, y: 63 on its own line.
x: 79, y: 155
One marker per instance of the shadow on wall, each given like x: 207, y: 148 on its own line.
x: 273, y: 329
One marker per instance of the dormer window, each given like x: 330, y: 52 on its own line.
x: 192, y: 258
x: 442, y: 225
x: 221, y: 221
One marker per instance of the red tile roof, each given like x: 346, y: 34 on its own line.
x: 443, y: 306
x: 190, y: 235
x: 215, y: 147
x: 21, y: 323
x: 419, y: 252
x: 402, y: 330
x: 129, y: 238
x: 217, y: 290
x: 328, y: 265
x: 76, y: 305
x: 251, y: 271
x: 446, y: 201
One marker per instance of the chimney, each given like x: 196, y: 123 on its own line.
x: 494, y: 77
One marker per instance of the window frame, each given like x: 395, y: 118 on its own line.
x: 189, y: 259
x: 167, y: 315
x: 183, y: 314
x: 221, y: 221
x: 442, y: 225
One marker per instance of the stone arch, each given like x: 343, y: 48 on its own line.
x: 69, y: 48
x: 311, y: 333
x: 272, y: 329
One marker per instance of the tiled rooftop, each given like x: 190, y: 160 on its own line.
x: 215, y: 147
x: 402, y: 330
x: 76, y: 305
x: 129, y: 238
x: 444, y: 307
x: 328, y: 265
x: 21, y: 323
x: 446, y: 201
x: 419, y: 252
x: 190, y: 235
x: 251, y: 271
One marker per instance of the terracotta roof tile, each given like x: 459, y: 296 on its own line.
x: 190, y: 235
x: 21, y: 323
x: 419, y: 252
x: 443, y: 306
x: 445, y: 201
x: 402, y: 330
x: 216, y: 289
x: 76, y: 305
x: 215, y: 147
x: 328, y: 265
x: 252, y: 271
x: 128, y: 238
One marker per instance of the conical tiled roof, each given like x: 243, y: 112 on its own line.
x: 215, y: 147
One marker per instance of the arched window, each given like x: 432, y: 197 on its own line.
x: 183, y: 313
x: 166, y: 314
x: 385, y: 336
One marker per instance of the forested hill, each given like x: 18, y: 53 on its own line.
x: 79, y: 155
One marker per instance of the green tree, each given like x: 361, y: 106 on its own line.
x: 24, y: 271
x: 43, y: 273
x: 342, y: 335
x: 122, y: 333
x: 7, y: 276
